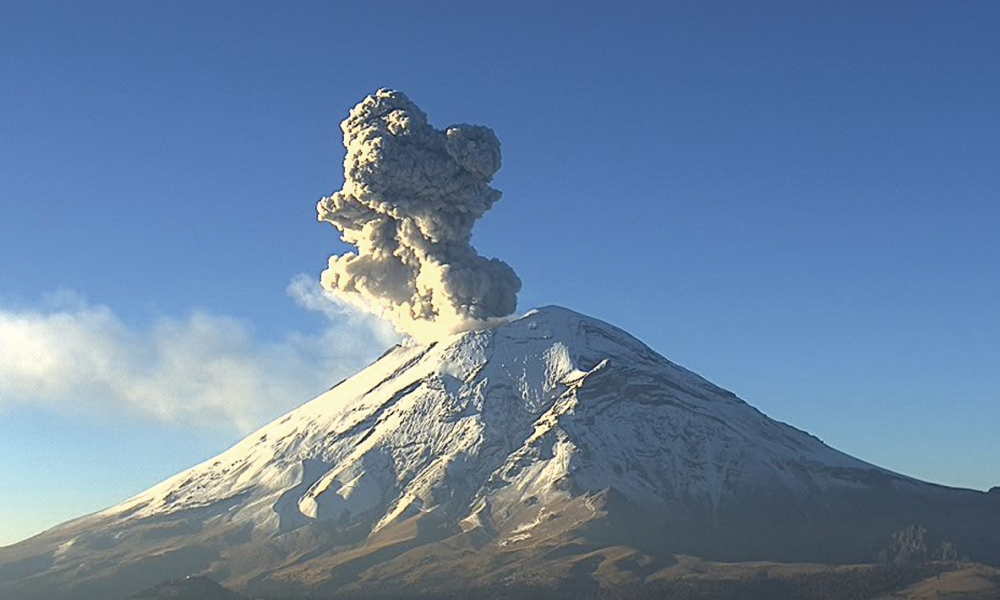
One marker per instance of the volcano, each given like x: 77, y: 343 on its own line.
x: 553, y: 448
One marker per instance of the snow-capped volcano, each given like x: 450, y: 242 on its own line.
x: 551, y: 404
x: 487, y: 452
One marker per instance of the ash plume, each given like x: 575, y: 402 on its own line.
x: 411, y: 195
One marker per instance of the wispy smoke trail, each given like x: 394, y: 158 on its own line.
x: 411, y: 196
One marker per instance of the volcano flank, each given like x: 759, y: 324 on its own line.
x: 550, y: 450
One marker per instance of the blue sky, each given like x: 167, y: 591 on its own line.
x: 799, y: 201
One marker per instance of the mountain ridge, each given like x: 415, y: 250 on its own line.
x: 507, y: 452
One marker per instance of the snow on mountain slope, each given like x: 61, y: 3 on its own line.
x: 495, y: 417
x: 496, y: 453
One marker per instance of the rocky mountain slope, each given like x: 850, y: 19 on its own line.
x: 189, y: 588
x: 551, y: 449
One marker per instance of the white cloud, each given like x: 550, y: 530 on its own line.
x: 204, y: 370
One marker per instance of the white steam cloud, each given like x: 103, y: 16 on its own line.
x: 411, y: 196
x: 78, y: 358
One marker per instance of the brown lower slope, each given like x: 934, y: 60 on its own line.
x: 688, y: 578
x: 962, y: 581
x: 600, y: 546
x: 584, y: 543
x: 691, y: 578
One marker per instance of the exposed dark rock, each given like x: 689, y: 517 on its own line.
x: 188, y: 588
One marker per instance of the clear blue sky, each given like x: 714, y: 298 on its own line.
x: 798, y: 200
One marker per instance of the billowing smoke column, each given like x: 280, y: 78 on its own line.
x: 411, y: 196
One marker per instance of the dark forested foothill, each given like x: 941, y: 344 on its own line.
x: 188, y: 588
